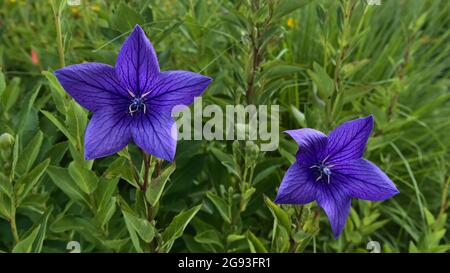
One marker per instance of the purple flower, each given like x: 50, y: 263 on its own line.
x: 132, y: 101
x: 331, y: 171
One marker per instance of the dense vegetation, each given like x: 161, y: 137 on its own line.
x: 323, y: 62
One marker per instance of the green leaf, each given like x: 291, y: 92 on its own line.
x: 39, y: 241
x: 105, y: 191
x: 125, y: 18
x: 30, y: 153
x: 106, y: 210
x: 156, y: 187
x: 5, y: 185
x: 57, y: 92
x: 27, y: 182
x: 282, y: 216
x: 141, y: 226
x: 288, y: 6
x: 351, y: 68
x: 226, y: 160
x: 223, y: 208
x: 5, y: 206
x: 86, y: 179
x: 10, y: 95
x: 176, y: 228
x: 323, y: 82
x: 62, y: 179
x: 121, y: 168
x: 429, y: 217
x: 256, y: 246
x: 60, y: 125
x: 26, y: 244
x: 76, y: 122
x: 210, y: 236
x: 299, y: 116
x: 276, y: 70
x: 2, y: 83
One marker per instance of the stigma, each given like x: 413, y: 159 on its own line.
x: 137, y: 104
x: 323, y: 171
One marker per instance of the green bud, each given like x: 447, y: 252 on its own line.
x: 6, y: 141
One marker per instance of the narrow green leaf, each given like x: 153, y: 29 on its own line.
x: 57, y: 92
x: 27, y: 182
x: 226, y: 160
x: 156, y: 186
x: 176, y: 227
x: 282, y: 216
x: 86, y: 179
x: 141, y: 226
x: 26, y: 244
x: 39, y: 241
x: 221, y: 205
x: 256, y: 246
x: 288, y: 6
x: 62, y: 179
x: 60, y: 125
x: 29, y: 153
x: 2, y: 83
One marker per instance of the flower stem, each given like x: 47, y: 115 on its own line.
x: 147, y: 162
x: 59, y: 40
x: 14, y: 231
x: 147, y: 180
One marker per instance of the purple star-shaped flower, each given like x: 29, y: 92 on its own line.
x: 331, y: 171
x: 131, y: 101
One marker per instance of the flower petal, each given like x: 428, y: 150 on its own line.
x: 177, y: 88
x: 137, y: 64
x: 156, y: 133
x: 297, y: 187
x: 92, y: 85
x: 312, y: 145
x: 362, y: 179
x: 348, y: 141
x: 336, y: 204
x: 107, y: 133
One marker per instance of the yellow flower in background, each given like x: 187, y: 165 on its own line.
x: 95, y: 7
x: 425, y: 39
x: 12, y: 1
x: 291, y: 22
x: 75, y: 11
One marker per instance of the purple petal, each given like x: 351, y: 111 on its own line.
x: 107, y: 133
x: 92, y: 85
x: 362, y: 179
x: 156, y: 133
x: 336, y: 204
x: 297, y: 187
x: 177, y: 88
x: 312, y: 145
x: 137, y: 64
x: 348, y: 141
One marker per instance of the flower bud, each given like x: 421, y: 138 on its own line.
x: 6, y: 141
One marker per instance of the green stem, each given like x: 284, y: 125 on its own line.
x: 14, y: 231
x: 59, y: 39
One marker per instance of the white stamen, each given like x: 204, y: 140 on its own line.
x: 145, y: 94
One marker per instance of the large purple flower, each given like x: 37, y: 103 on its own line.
x: 331, y: 171
x: 131, y: 101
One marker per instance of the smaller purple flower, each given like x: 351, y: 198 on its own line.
x: 132, y: 101
x: 331, y: 171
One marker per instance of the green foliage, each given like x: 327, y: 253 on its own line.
x: 323, y: 62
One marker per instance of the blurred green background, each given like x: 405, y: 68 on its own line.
x: 323, y: 62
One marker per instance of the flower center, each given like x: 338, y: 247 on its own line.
x: 136, y: 105
x: 324, y: 171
